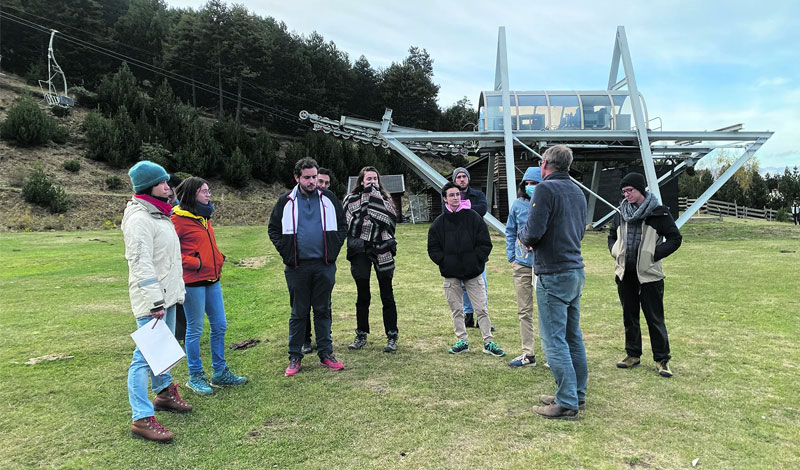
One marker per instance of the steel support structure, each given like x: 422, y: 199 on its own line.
x: 684, y: 147
x: 501, y: 84
x: 723, y: 178
x: 623, y: 53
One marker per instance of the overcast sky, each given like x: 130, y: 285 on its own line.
x: 700, y: 65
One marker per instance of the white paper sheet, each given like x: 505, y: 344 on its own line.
x: 158, y: 346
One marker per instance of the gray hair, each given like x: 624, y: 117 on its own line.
x: 559, y: 157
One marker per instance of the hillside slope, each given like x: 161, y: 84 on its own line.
x: 94, y: 206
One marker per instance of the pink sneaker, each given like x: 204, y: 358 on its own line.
x: 294, y: 366
x: 331, y: 363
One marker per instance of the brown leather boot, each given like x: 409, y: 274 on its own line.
x: 169, y: 400
x: 149, y: 429
x: 550, y: 399
x: 556, y: 412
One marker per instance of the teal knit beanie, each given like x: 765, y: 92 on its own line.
x: 146, y: 174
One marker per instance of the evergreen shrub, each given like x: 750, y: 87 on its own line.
x: 99, y: 136
x: 60, y: 134
x: 27, y: 124
x: 236, y: 172
x: 73, y: 166
x: 84, y: 97
x: 40, y: 190
x: 156, y: 153
x: 113, y: 182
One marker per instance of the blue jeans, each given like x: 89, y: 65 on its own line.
x: 139, y: 371
x: 468, y: 309
x: 558, y: 296
x: 208, y: 300
x: 310, y: 285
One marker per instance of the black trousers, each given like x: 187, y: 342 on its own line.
x: 650, y: 296
x: 361, y: 266
x: 310, y: 285
x: 796, y: 218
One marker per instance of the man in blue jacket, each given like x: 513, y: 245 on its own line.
x: 555, y: 228
x: 308, y: 228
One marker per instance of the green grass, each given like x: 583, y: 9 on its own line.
x: 732, y: 312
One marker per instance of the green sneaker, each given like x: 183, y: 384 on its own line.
x: 493, y: 349
x: 460, y: 347
x: 226, y: 377
x: 198, y: 383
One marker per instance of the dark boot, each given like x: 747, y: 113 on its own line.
x: 149, y: 429
x: 169, y: 400
x: 391, y: 343
x: 360, y: 341
x: 469, y: 320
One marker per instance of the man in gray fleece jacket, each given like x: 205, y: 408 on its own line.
x: 554, y: 230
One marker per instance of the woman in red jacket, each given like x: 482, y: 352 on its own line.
x: 202, y: 266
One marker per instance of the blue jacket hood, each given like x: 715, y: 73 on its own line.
x: 533, y: 173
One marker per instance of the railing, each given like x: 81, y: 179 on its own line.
x: 728, y: 209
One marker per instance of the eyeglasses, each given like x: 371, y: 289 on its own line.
x: 541, y: 162
x: 625, y: 192
x: 207, y: 192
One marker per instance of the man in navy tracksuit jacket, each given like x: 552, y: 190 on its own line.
x: 308, y: 228
x: 555, y: 228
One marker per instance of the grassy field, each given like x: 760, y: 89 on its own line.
x: 732, y: 313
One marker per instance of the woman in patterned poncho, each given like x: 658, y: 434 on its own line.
x: 371, y: 218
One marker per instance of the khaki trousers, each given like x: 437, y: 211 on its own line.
x: 524, y: 282
x: 476, y: 291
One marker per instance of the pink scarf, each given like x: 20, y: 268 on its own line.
x: 162, y: 206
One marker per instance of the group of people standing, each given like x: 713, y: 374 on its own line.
x: 174, y: 259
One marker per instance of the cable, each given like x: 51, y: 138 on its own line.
x: 197, y: 67
x: 276, y: 112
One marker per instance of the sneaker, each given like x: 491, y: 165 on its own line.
x: 294, y: 366
x: 360, y: 341
x: 629, y: 362
x: 556, y: 412
x: 226, y: 377
x: 170, y: 400
x: 331, y: 363
x: 306, y: 348
x: 663, y: 369
x: 149, y: 429
x: 493, y: 349
x: 460, y: 347
x: 547, y: 365
x: 391, y: 342
x: 523, y: 361
x: 550, y: 399
x: 198, y: 383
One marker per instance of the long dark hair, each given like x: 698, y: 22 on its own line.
x: 187, y: 193
x: 360, y: 182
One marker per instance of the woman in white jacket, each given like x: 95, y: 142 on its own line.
x: 155, y: 284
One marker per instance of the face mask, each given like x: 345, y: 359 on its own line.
x: 529, y: 190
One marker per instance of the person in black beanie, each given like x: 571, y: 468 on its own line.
x: 635, y: 242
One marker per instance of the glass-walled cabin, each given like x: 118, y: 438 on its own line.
x: 558, y: 110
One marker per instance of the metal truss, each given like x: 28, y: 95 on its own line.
x: 681, y: 149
